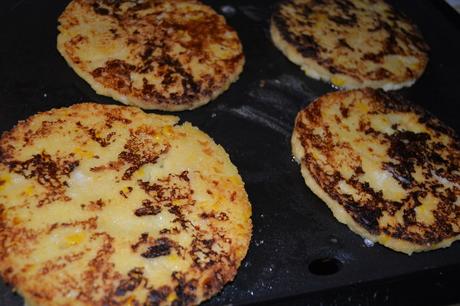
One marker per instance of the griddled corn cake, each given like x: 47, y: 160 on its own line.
x: 168, y: 55
x: 107, y: 205
x: 386, y: 168
x: 350, y: 43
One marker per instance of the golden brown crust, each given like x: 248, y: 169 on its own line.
x: 386, y: 168
x: 107, y: 205
x: 169, y: 55
x: 351, y: 43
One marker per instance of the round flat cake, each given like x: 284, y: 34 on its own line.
x: 107, y: 205
x: 166, y: 55
x: 350, y: 43
x: 385, y: 167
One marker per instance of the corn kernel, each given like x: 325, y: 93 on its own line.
x: 130, y: 301
x: 362, y: 107
x: 29, y: 190
x: 83, y: 153
x: 173, y: 258
x: 384, y: 239
x: 171, y: 297
x: 167, y: 131
x: 339, y: 82
x: 235, y: 180
x: 4, y: 180
x: 74, y: 239
x: 140, y: 173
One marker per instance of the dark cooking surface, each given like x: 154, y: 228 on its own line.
x: 253, y: 122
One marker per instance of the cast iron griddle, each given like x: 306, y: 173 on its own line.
x: 295, y: 238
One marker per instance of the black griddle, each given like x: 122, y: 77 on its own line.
x: 299, y: 254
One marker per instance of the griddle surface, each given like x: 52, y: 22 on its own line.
x: 253, y: 121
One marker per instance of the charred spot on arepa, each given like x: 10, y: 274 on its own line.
x: 381, y: 168
x: 161, y: 247
x: 94, y: 205
x: 140, y: 149
x: 147, y: 209
x: 49, y: 172
x: 222, y: 216
x: 102, y: 141
x: 173, y: 189
x: 133, y: 280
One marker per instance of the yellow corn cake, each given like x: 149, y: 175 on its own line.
x: 108, y: 205
x: 350, y: 43
x: 167, y: 55
x: 385, y: 167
